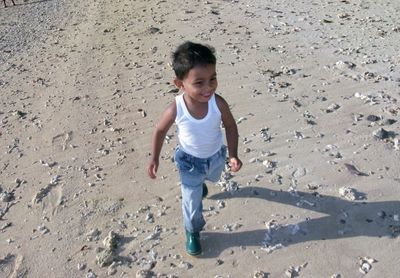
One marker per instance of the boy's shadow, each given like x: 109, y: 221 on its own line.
x: 344, y: 219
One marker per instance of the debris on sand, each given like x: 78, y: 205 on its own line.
x: 353, y: 170
x: 365, y: 264
x: 348, y: 193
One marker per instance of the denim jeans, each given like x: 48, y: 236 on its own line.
x: 193, y: 172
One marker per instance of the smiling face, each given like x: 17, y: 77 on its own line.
x: 200, y: 83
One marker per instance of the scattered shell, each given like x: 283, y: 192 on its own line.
x: 241, y: 119
x: 365, y: 264
x: 299, y: 172
x: 43, y: 229
x: 332, y: 108
x: 91, y: 275
x: 299, y: 135
x: 348, y: 193
x: 313, y: 186
x: 345, y: 65
x: 231, y: 227
x: 260, y: 274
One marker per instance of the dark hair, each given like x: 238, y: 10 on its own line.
x: 188, y: 55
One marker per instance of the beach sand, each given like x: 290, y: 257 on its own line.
x: 313, y: 85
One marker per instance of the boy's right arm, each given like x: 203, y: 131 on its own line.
x: 164, y: 124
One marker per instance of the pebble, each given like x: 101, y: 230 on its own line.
x: 383, y: 134
x: 90, y: 274
x: 345, y: 65
x: 105, y: 257
x: 373, y: 118
x: 7, y: 196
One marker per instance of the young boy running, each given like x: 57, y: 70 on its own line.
x: 197, y: 113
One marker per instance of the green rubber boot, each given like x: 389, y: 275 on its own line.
x: 205, y: 190
x: 193, y: 246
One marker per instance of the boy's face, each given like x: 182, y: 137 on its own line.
x: 200, y: 83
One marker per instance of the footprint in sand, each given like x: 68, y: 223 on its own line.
x: 12, y: 266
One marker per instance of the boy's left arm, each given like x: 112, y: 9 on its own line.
x: 231, y: 131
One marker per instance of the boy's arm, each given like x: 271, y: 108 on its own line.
x: 231, y: 131
x: 164, y: 124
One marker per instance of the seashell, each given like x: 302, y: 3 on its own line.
x: 345, y: 65
x: 241, y: 119
x: 365, y: 264
x: 299, y: 135
x: 260, y: 274
x: 299, y: 172
x: 348, y: 193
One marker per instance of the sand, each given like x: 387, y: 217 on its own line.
x: 314, y: 86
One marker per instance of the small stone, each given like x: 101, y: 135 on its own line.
x: 7, y: 196
x: 389, y: 121
x: 382, y: 134
x: 373, y: 118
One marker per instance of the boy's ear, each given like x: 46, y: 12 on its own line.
x: 178, y: 83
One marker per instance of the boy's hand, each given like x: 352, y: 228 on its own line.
x: 235, y: 164
x: 152, y: 169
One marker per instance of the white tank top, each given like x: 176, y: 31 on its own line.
x: 199, y: 137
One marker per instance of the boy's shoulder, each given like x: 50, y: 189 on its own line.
x: 170, y: 111
x: 171, y: 107
x: 221, y: 102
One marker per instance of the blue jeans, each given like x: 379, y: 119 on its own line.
x: 193, y: 172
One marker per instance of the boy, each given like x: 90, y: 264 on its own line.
x: 200, y: 154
